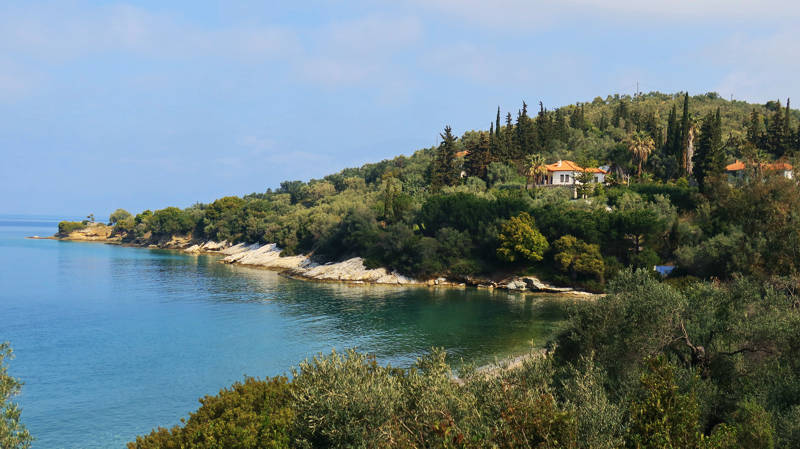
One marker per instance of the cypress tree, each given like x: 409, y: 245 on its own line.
x: 497, y: 125
x: 444, y: 170
x: 672, y: 146
x: 602, y: 124
x: 479, y: 156
x: 709, y: 157
x: 755, y: 129
x: 775, y: 132
x: 685, y: 121
x: 683, y: 140
x: 508, y: 138
x: 787, y: 128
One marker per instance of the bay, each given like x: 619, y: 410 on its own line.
x: 113, y: 341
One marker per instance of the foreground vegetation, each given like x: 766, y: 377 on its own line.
x: 706, y: 365
x: 13, y: 434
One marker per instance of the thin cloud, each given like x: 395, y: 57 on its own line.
x: 758, y: 68
x: 533, y: 16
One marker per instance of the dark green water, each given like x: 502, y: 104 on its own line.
x: 114, y: 341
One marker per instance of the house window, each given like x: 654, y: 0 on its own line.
x: 596, y: 179
x: 566, y: 178
x: 561, y: 178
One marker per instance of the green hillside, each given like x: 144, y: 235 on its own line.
x: 470, y: 207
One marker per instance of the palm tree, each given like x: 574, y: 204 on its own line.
x: 535, y: 167
x: 640, y: 145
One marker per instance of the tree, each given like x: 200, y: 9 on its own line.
x: 661, y: 416
x: 478, y: 157
x: 13, y: 434
x: 686, y: 137
x: 776, y: 132
x: 171, y: 221
x: 118, y: 215
x: 535, y: 168
x: 672, y: 145
x: 444, y: 170
x: 497, y: 126
x: 577, y: 257
x: 640, y: 145
x: 521, y: 241
x: 709, y: 159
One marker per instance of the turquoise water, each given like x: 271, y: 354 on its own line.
x: 112, y: 341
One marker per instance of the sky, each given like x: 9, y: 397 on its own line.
x: 143, y: 105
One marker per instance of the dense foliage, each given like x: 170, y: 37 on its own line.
x: 469, y: 209
x: 13, y: 434
x: 647, y: 366
x: 67, y: 227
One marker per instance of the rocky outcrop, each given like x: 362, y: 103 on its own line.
x: 269, y: 256
x: 93, y: 232
x: 534, y: 284
x: 351, y: 270
x: 301, y: 266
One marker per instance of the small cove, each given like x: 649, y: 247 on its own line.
x: 112, y: 341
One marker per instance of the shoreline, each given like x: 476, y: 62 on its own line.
x: 300, y: 267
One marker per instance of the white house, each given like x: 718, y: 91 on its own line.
x: 567, y: 172
x: 738, y: 169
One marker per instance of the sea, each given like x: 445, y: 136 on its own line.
x: 112, y: 342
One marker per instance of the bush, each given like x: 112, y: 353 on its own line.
x: 171, y: 221
x: 249, y: 415
x: 67, y: 227
x: 521, y: 241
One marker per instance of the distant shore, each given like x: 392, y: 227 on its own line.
x: 268, y: 256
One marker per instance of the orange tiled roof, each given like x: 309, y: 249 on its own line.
x: 739, y: 165
x: 571, y: 166
x: 736, y: 166
x: 462, y: 153
x: 595, y: 170
x: 563, y: 166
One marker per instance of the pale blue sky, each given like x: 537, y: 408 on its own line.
x: 149, y: 104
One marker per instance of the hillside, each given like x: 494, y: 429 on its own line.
x: 470, y: 206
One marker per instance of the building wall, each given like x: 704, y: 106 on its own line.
x: 563, y: 178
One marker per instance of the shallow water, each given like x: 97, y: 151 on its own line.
x: 113, y: 341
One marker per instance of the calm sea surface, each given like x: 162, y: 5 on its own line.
x: 113, y: 341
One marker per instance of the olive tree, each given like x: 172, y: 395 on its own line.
x: 13, y: 434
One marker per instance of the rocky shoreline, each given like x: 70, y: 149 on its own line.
x: 351, y: 271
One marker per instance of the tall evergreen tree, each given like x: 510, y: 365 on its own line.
x: 709, y: 157
x: 755, y: 129
x: 788, y: 135
x: 776, y: 132
x: 497, y: 125
x: 685, y: 121
x: 672, y: 145
x: 444, y: 169
x: 479, y: 155
x: 508, y: 139
x: 522, y: 133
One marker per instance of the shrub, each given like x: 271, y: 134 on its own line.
x: 253, y: 414
x: 67, y: 227
x: 171, y: 221
x: 521, y: 241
